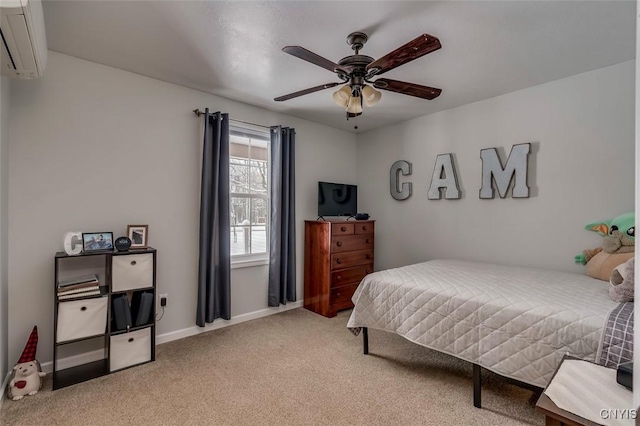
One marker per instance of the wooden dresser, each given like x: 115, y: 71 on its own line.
x: 337, y: 255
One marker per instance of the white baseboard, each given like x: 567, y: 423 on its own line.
x: 192, y: 331
x: 86, y: 357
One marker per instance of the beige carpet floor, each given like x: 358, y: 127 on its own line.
x: 294, y: 368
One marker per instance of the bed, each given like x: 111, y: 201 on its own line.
x: 517, y: 322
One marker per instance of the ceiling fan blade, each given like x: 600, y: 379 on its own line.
x: 405, y: 88
x: 305, y: 92
x: 415, y: 49
x: 309, y: 56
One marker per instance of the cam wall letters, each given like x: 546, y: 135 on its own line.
x: 444, y: 178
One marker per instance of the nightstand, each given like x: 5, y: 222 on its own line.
x: 555, y: 416
x: 596, y: 387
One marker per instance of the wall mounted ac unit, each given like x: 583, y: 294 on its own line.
x: 24, y: 42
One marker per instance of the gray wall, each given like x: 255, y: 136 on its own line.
x: 582, y: 170
x: 5, y: 88
x: 97, y: 148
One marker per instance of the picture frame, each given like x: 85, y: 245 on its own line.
x: 97, y: 241
x: 139, y: 236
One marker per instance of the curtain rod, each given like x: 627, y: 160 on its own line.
x: 198, y: 113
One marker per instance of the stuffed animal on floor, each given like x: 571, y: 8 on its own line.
x: 622, y: 281
x: 618, y: 246
x: 26, y: 378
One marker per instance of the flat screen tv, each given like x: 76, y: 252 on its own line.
x: 337, y: 199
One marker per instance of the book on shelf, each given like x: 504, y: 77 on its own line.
x: 121, y: 313
x: 84, y: 279
x: 79, y: 286
x: 78, y: 295
x: 79, y: 290
x: 141, y: 305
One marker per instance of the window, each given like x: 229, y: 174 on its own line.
x: 249, y: 192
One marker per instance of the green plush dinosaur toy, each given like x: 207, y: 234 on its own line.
x: 618, y: 246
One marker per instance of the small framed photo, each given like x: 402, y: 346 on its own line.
x: 97, y: 241
x: 139, y: 235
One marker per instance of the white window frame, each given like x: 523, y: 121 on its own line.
x: 252, y: 259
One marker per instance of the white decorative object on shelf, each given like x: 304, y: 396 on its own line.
x: 73, y: 243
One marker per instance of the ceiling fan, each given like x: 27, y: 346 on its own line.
x: 357, y: 70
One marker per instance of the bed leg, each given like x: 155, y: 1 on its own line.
x: 477, y: 386
x: 365, y: 340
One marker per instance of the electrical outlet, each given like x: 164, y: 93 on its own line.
x: 164, y: 298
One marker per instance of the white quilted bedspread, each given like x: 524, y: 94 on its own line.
x: 517, y: 322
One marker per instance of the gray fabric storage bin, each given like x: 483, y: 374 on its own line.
x: 129, y: 349
x: 81, y: 318
x: 132, y: 271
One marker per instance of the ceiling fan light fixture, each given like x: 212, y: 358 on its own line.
x: 342, y: 96
x: 371, y: 96
x: 355, y: 105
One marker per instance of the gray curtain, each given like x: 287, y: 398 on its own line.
x: 282, y: 254
x: 214, y: 284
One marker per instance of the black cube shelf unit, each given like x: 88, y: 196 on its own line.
x: 91, y: 317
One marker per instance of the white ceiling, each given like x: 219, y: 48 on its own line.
x: 233, y: 49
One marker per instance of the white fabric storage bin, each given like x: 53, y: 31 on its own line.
x: 132, y: 271
x: 81, y: 318
x: 129, y: 349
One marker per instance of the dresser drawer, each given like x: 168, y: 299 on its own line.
x: 342, y: 294
x: 351, y: 258
x: 132, y: 271
x: 342, y: 229
x: 364, y: 228
x: 351, y: 275
x: 341, y: 243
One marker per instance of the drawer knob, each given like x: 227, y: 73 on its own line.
x: 133, y: 263
x: 368, y: 256
x: 339, y: 277
x: 364, y: 227
x: 344, y: 228
x: 337, y: 294
x: 84, y: 308
x: 338, y: 261
x: 368, y: 241
x: 368, y: 271
x: 130, y: 339
x: 339, y: 243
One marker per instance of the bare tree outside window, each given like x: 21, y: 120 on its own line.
x: 249, y: 191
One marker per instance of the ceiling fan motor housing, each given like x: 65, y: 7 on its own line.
x: 356, y: 61
x: 357, y: 65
